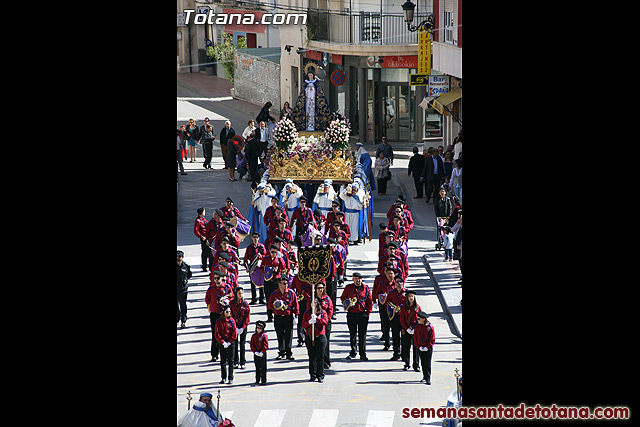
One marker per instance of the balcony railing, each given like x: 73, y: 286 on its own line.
x: 360, y: 28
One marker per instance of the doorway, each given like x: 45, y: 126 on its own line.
x: 395, y: 115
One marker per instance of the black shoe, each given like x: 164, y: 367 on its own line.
x: 394, y: 358
x: 253, y: 302
x: 222, y: 382
x: 280, y: 357
x: 312, y: 379
x: 405, y: 368
x: 351, y: 356
x: 386, y: 347
x: 417, y: 369
x: 364, y: 357
x: 320, y: 380
x: 230, y: 382
x: 300, y: 343
x: 290, y: 357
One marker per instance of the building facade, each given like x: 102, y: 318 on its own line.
x: 447, y: 60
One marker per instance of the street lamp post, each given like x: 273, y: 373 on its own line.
x: 408, y: 8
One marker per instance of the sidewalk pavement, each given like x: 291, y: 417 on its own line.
x: 214, y: 87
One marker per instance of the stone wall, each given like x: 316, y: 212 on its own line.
x: 257, y: 80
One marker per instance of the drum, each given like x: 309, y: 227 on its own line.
x: 257, y: 278
x: 404, y: 248
x: 343, y: 251
x: 243, y: 228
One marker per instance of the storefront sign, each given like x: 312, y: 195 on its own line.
x: 438, y: 85
x: 408, y: 61
x: 418, y: 79
x: 313, y: 54
x: 424, y: 52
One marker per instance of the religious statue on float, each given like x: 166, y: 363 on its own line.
x: 311, y: 112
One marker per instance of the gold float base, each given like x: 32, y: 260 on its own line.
x: 337, y: 169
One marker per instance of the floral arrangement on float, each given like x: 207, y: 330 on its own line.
x: 334, y: 142
x: 312, y: 156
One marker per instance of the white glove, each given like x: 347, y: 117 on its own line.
x: 226, y: 344
x: 375, y: 305
x: 410, y: 331
x: 313, y: 319
x: 240, y: 330
x: 258, y: 353
x: 424, y: 349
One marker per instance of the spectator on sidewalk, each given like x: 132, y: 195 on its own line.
x: 456, y: 178
x: 416, y: 164
x: 442, y: 205
x: 193, y: 133
x: 183, y: 141
x: 206, y: 139
x: 386, y: 148
x: 449, y: 236
x: 180, y: 152
x: 286, y: 109
x: 250, y: 127
x: 263, y: 115
x: 432, y: 173
x: 448, y: 163
x: 225, y: 135
x: 382, y: 172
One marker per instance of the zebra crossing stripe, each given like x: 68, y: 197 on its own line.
x: 380, y: 419
x: 270, y: 418
x: 324, y: 418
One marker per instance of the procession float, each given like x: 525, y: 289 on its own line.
x: 312, y: 143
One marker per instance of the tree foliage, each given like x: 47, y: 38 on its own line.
x: 225, y: 53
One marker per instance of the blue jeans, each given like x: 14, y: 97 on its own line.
x: 448, y: 254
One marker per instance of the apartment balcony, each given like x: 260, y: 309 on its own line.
x: 363, y: 29
x: 447, y: 59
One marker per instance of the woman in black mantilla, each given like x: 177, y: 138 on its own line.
x: 311, y: 111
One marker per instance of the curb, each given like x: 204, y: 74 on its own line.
x: 441, y: 297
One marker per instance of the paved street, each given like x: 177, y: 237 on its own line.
x: 355, y: 393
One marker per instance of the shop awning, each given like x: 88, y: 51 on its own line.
x: 446, y: 99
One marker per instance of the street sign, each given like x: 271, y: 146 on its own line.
x: 337, y: 77
x: 418, y: 79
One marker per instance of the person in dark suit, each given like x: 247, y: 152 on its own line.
x: 252, y: 153
x: 226, y: 134
x: 416, y: 164
x: 432, y: 173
